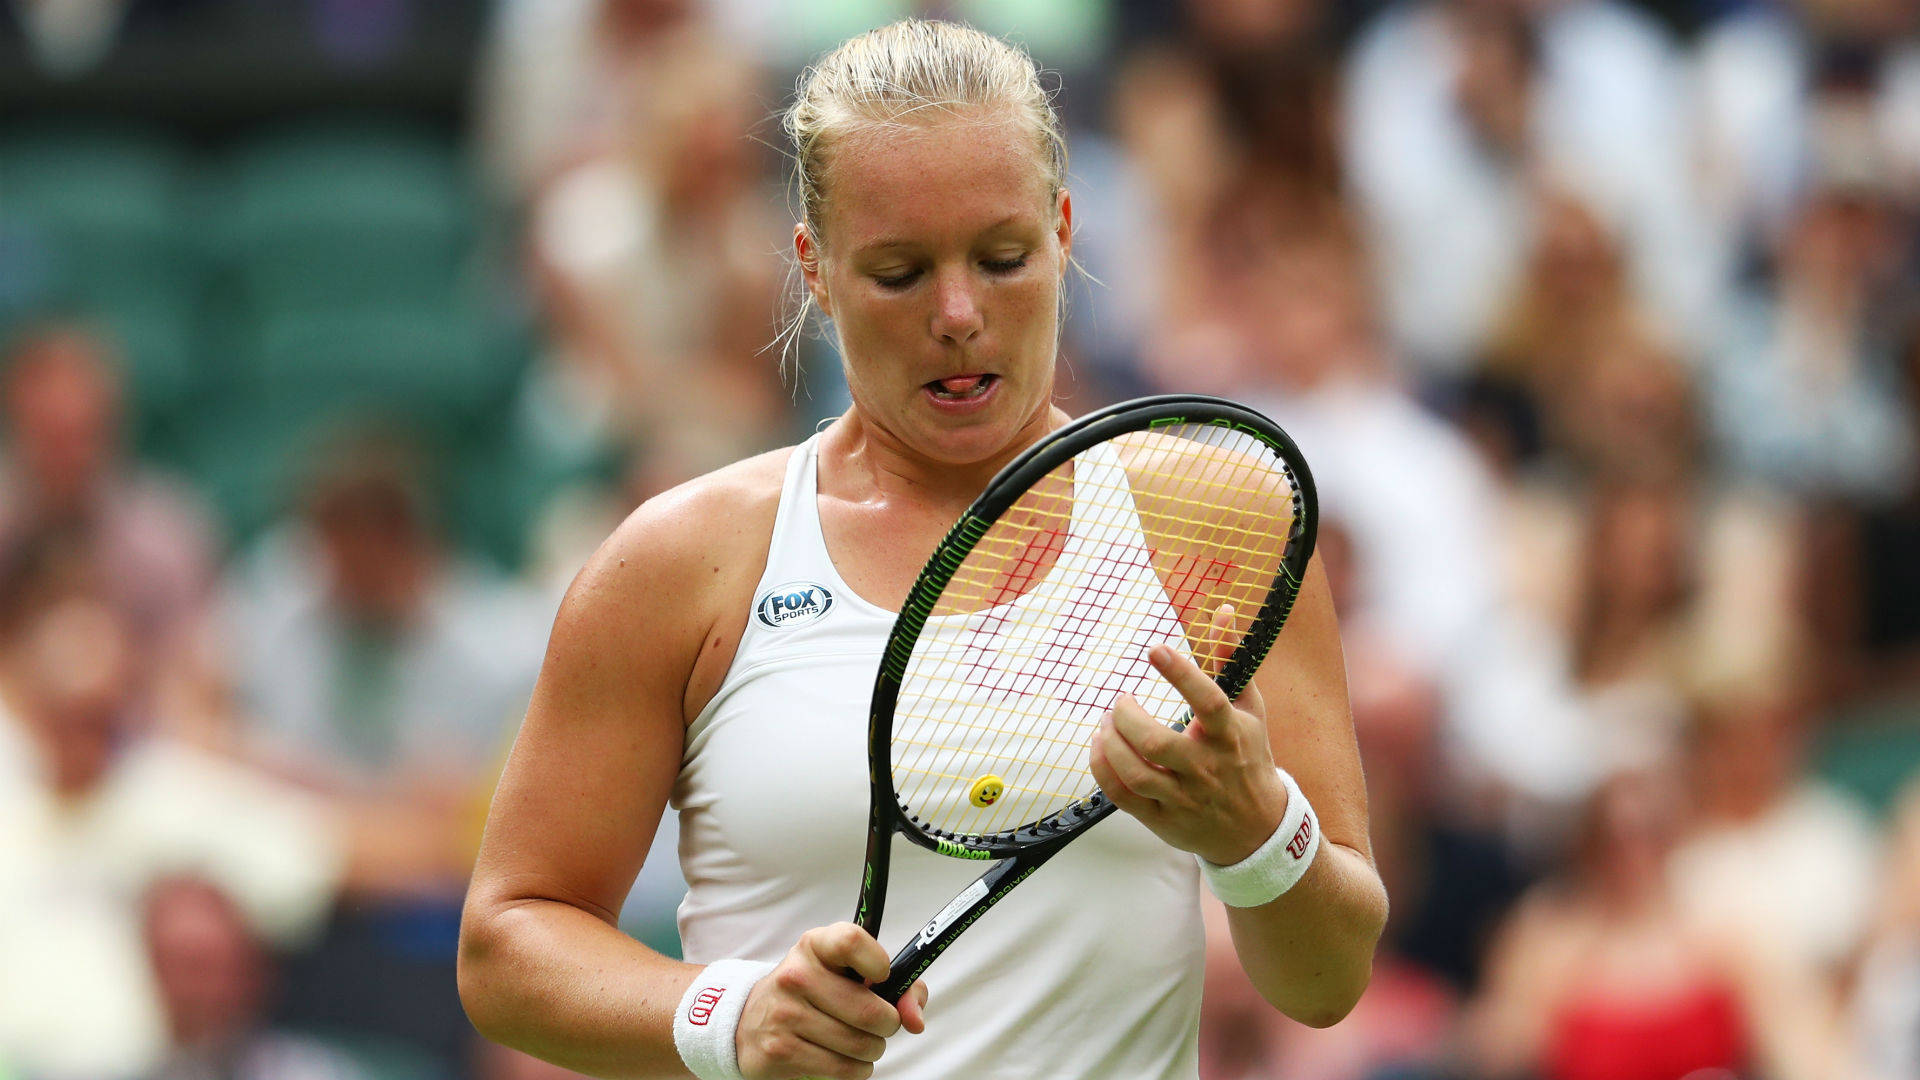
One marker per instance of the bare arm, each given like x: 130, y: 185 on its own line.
x: 543, y: 966
x: 1311, y: 951
x: 1212, y: 791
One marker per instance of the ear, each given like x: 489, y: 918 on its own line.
x: 808, y: 253
x: 1064, y: 230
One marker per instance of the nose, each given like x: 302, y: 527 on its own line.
x: 956, y: 316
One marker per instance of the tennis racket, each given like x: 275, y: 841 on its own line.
x: 1128, y: 528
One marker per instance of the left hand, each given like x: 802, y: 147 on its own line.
x: 1210, y: 789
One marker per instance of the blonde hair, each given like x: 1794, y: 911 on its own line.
x: 900, y: 73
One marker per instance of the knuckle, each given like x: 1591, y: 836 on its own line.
x: 842, y: 937
x: 780, y: 1046
x: 880, y: 1018
x: 789, y: 977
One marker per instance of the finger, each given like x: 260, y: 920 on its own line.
x: 1135, y: 773
x: 913, y: 1009
x: 1217, y: 640
x: 836, y: 1036
x: 786, y: 1053
x: 1203, y: 695
x: 851, y: 1004
x: 844, y: 946
x: 1099, y: 762
x: 1155, y: 742
x: 1251, y: 702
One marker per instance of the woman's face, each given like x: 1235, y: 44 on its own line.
x: 940, y: 259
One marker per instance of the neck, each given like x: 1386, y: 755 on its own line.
x: 888, y: 467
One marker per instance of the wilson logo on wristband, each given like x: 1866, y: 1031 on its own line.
x: 1303, y: 836
x: 701, y: 1010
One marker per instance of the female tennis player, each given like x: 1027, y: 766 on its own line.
x: 719, y: 652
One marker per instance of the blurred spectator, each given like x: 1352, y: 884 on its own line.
x: 561, y: 79
x: 1803, y: 390
x: 1602, y: 975
x: 1460, y: 113
x: 1443, y: 858
x: 213, y: 978
x: 1885, y: 999
x: 370, y: 657
x: 380, y: 667
x: 656, y: 259
x: 111, y: 807
x: 68, y: 37
x: 1231, y: 131
x: 1864, y: 582
x: 1682, y: 592
x: 66, y: 480
x: 563, y: 75
x: 1752, y: 798
x: 1633, y: 631
x: 1397, y: 1030
x: 1168, y: 125
x: 1597, y: 389
x: 1774, y: 77
x: 1423, y: 511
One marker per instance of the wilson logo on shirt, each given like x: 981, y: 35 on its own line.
x: 794, y: 604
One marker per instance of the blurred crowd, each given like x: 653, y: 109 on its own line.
x: 1599, y: 322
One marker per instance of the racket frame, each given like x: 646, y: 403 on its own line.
x: 1023, y: 850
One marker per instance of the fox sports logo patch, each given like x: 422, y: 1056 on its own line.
x: 794, y: 604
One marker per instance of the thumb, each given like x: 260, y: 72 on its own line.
x: 1250, y: 701
x: 913, y: 1008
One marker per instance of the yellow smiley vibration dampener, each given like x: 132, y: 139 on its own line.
x: 986, y: 790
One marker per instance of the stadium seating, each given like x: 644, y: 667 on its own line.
x: 262, y: 292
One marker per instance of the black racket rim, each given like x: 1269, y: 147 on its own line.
x: 1011, y: 482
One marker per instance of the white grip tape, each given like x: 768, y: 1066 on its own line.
x: 1280, y: 862
x: 709, y: 1017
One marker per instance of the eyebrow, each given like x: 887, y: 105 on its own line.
x: 885, y: 242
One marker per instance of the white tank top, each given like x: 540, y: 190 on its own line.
x: 1091, y: 968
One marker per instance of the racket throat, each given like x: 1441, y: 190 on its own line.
x: 940, y: 931
x: 873, y: 880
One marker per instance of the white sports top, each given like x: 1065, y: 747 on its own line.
x: 1092, y: 968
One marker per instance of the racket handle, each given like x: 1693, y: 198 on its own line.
x: 960, y: 913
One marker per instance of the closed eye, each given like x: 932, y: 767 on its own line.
x: 1004, y: 266
x: 897, y: 281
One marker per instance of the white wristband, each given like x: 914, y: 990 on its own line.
x: 709, y: 1016
x: 1277, y: 864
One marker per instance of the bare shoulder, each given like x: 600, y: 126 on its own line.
x: 715, y: 514
x: 682, y: 559
x: 1162, y: 466
x: 1217, y: 504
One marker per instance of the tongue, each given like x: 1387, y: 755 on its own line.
x: 960, y: 384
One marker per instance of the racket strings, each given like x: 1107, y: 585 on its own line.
x: 1051, y: 616
x: 1021, y: 698
x: 1089, y: 706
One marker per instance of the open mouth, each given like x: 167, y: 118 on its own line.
x: 961, y: 387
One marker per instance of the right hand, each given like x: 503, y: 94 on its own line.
x: 807, y: 1018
